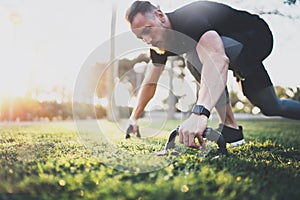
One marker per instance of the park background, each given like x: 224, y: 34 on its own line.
x: 44, y: 45
x: 46, y: 153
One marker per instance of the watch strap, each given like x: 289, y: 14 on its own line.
x: 200, y: 110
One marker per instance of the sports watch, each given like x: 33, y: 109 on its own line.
x: 200, y: 110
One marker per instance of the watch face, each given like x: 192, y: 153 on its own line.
x: 200, y: 110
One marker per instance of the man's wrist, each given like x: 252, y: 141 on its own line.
x: 132, y: 121
x: 200, y: 110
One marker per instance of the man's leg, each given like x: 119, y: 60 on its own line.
x: 226, y: 115
x: 224, y: 110
x: 228, y: 126
x: 259, y: 89
x: 270, y: 105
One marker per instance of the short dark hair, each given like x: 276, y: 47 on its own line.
x: 139, y: 7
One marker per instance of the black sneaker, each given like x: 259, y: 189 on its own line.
x: 231, y: 135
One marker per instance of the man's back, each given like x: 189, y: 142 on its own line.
x: 198, y: 17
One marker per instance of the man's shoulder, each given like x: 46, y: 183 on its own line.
x: 159, y: 57
x: 198, y: 11
x: 199, y: 5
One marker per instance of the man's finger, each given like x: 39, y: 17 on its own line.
x: 201, y: 141
x: 186, y: 140
x: 135, y: 128
x: 180, y: 136
x: 192, y: 142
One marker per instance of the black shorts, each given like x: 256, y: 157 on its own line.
x: 258, y: 44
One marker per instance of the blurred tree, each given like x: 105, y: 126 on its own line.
x: 281, y: 92
x: 126, y: 68
x: 112, y: 111
x: 296, y: 93
x: 289, y: 93
x: 293, y: 93
x: 280, y: 12
x: 233, y: 97
x: 290, y: 2
x: 101, y: 89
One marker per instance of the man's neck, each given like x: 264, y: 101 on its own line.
x: 168, y: 23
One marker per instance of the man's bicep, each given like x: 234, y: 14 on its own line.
x: 210, y: 45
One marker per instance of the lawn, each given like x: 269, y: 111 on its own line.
x: 53, y: 161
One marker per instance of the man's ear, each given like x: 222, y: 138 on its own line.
x: 160, y: 15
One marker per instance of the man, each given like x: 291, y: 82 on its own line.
x: 212, y: 26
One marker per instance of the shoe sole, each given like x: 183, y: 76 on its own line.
x: 237, y: 143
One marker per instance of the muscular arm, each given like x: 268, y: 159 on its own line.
x: 147, y: 91
x: 211, y: 52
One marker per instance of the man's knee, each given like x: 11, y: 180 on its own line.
x: 269, y: 109
x: 266, y: 100
x: 268, y: 112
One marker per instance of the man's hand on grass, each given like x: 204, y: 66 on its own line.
x: 134, y: 125
x: 192, y: 129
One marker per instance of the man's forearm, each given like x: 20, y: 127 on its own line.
x: 145, y: 95
x: 212, y: 84
x: 211, y: 53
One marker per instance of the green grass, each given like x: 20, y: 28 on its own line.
x: 50, y: 162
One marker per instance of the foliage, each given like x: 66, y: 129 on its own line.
x: 290, y: 2
x: 290, y: 93
x: 28, y: 109
x: 47, y: 162
x: 281, y: 92
x: 295, y: 92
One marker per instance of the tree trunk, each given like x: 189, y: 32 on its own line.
x: 112, y: 111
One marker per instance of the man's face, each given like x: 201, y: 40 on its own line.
x: 150, y: 29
